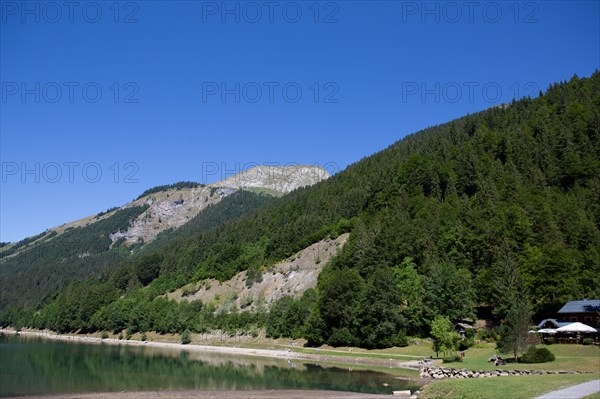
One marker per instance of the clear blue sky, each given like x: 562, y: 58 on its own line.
x: 382, y: 70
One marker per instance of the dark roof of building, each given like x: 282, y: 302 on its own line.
x: 555, y: 322
x: 585, y: 306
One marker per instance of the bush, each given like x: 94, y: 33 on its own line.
x: 401, y: 340
x: 342, y: 337
x: 549, y: 340
x: 452, y: 358
x: 588, y: 341
x: 487, y: 335
x: 120, y: 336
x: 104, y: 335
x: 537, y: 355
x: 465, y: 344
x: 144, y: 337
x: 185, y: 337
x: 128, y: 334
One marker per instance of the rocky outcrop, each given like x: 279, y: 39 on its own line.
x: 174, y: 207
x: 282, y: 179
x: 168, y: 209
x: 290, y: 277
x: 438, y: 373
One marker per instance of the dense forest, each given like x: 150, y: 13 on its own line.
x: 463, y: 218
x: 55, y: 261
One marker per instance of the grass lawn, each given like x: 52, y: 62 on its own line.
x: 568, y: 357
x: 593, y: 396
x: 525, y: 387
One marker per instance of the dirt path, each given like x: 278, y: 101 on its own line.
x: 574, y: 392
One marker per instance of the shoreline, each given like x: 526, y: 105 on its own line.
x: 262, y: 394
x: 264, y: 353
x: 271, y: 353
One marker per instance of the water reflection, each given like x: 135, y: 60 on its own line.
x: 30, y: 365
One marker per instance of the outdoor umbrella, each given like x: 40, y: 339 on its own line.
x: 547, y: 331
x: 577, y: 327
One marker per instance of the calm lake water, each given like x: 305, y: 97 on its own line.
x: 36, y: 366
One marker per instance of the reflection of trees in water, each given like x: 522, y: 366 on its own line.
x: 215, y: 358
x: 66, y: 367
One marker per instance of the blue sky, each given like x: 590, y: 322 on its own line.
x: 102, y: 100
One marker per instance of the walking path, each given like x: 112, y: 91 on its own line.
x: 574, y: 392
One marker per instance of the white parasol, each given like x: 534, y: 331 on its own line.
x: 576, y: 327
x: 546, y: 331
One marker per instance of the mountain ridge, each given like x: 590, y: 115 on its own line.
x: 166, y: 210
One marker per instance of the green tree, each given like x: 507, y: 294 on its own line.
x: 287, y: 316
x: 515, y: 331
x: 449, y: 292
x: 379, y: 315
x: 508, y: 284
x: 410, y: 290
x: 340, y: 292
x: 445, y: 339
x: 186, y: 337
x: 148, y: 268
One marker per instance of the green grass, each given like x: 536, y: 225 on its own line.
x: 593, y: 396
x: 521, y: 387
x: 568, y: 357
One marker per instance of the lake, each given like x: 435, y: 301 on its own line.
x: 32, y: 365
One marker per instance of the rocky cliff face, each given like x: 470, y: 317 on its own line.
x: 167, y: 209
x: 282, y: 179
x: 172, y: 208
x: 290, y: 277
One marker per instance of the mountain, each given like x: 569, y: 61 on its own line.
x: 93, y: 245
x: 460, y: 220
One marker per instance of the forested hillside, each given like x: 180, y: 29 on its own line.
x: 490, y: 209
x: 32, y: 277
x: 54, y: 262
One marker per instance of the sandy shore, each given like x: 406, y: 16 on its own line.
x: 164, y: 345
x: 280, y: 354
x: 264, y: 394
x: 268, y: 353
